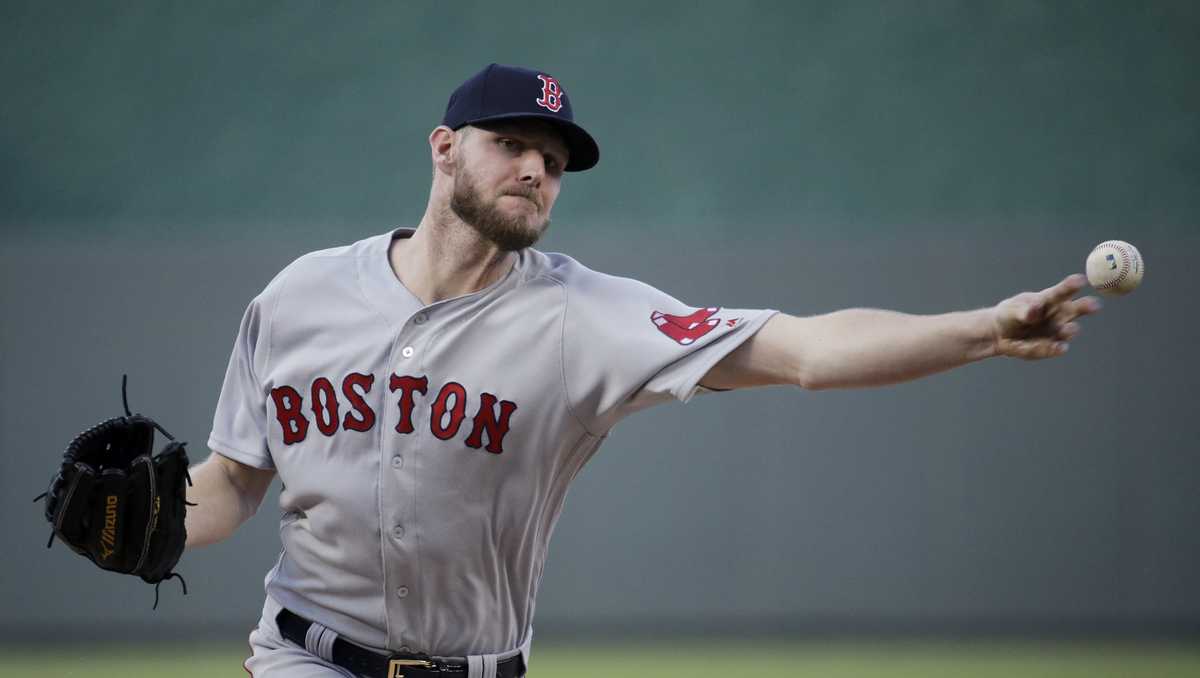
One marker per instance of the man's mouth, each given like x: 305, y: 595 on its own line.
x: 526, y: 197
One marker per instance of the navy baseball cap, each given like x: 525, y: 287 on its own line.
x: 506, y: 92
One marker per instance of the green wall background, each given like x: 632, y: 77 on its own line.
x: 847, y: 119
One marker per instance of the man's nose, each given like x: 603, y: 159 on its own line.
x: 533, y: 168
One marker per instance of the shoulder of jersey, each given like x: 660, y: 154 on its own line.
x: 580, y: 279
x: 321, y: 260
x: 352, y: 250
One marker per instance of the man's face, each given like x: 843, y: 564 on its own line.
x: 506, y: 180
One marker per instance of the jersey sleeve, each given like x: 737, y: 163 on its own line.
x: 240, y: 424
x: 627, y: 346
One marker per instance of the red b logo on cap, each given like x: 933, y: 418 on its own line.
x: 551, y: 94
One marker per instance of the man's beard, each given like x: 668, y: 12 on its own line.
x: 509, y: 233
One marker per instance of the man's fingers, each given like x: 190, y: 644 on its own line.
x: 1036, y: 349
x: 1070, y: 310
x: 1064, y: 290
x: 1086, y: 306
x: 1055, y: 302
x: 1048, y: 320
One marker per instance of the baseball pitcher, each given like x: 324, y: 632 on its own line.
x: 427, y: 395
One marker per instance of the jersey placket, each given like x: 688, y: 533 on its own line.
x: 399, y: 478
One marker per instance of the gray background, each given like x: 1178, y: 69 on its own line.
x: 160, y: 162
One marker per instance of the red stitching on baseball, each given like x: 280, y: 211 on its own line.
x: 1126, y: 257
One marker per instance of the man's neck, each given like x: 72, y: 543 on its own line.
x: 446, y: 258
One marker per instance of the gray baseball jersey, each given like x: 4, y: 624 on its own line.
x: 425, y: 450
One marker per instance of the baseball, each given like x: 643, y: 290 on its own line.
x: 1115, y: 267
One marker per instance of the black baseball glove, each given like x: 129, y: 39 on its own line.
x: 117, y: 503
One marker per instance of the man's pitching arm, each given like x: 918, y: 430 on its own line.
x: 857, y: 348
x: 225, y: 493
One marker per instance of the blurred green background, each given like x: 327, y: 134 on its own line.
x: 148, y: 118
x: 161, y: 161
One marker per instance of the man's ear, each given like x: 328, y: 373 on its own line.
x: 443, y: 144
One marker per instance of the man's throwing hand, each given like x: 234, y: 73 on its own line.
x: 1036, y: 325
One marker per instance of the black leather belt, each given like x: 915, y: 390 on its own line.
x: 364, y: 662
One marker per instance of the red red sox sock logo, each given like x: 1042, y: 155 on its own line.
x: 686, y: 329
x: 552, y: 94
x: 446, y: 413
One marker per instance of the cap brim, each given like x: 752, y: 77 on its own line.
x: 584, y: 153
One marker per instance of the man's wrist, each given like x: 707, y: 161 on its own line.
x: 983, y: 333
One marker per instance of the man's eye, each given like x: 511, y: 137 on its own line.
x: 507, y: 143
x: 551, y: 162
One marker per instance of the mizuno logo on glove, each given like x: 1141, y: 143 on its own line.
x: 108, y: 536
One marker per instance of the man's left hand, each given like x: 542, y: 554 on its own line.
x: 1037, y: 325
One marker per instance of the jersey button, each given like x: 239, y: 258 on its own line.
x: 397, y: 461
x: 420, y: 319
x: 407, y: 351
x: 402, y: 592
x: 398, y: 532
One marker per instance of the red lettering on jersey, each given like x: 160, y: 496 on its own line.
x: 324, y: 409
x: 446, y: 431
x: 496, y: 427
x: 552, y: 94
x: 287, y: 411
x: 366, y: 418
x: 686, y: 329
x: 406, y: 385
